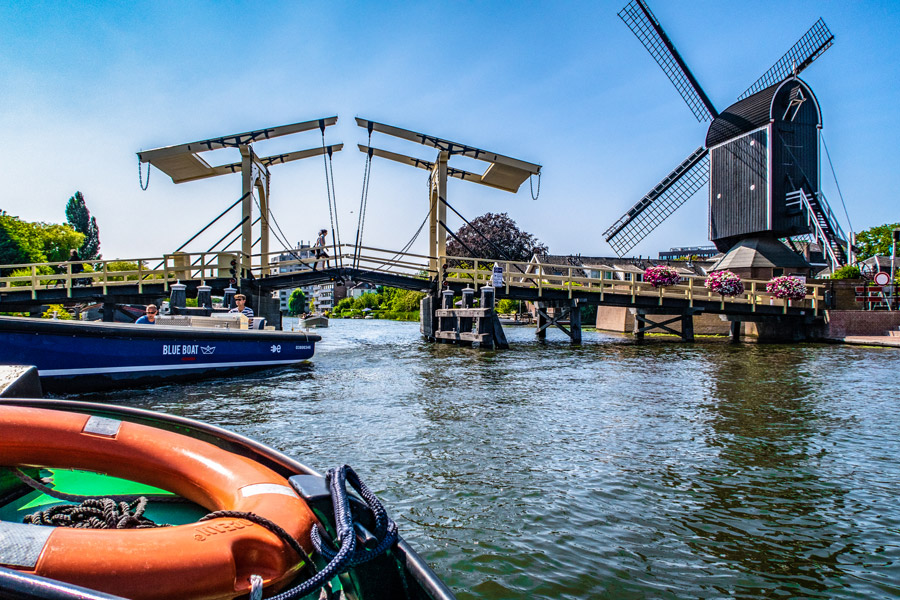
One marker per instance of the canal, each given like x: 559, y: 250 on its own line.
x: 609, y: 470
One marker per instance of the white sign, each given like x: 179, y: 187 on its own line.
x: 497, y: 276
x: 882, y: 278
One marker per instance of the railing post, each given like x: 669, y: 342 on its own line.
x: 68, y: 280
x: 468, y: 301
x: 486, y: 322
x: 447, y: 323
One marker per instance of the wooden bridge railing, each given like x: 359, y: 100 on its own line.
x: 203, y: 266
x: 570, y: 278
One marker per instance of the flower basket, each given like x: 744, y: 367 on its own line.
x: 725, y: 283
x: 792, y: 288
x: 661, y: 276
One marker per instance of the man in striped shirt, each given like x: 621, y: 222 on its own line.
x: 241, y: 301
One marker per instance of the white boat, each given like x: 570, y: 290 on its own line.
x: 314, y: 321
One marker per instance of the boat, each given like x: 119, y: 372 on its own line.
x: 241, y: 519
x: 74, y: 356
x: 517, y: 319
x: 314, y: 321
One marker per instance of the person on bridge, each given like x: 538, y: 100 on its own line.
x: 77, y: 267
x: 320, y: 249
x: 241, y: 301
x: 150, y: 317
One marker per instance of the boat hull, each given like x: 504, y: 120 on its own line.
x: 75, y: 356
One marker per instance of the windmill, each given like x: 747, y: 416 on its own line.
x: 503, y: 173
x: 183, y: 163
x: 760, y: 156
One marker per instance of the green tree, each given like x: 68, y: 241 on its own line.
x: 26, y: 242
x: 494, y: 236
x: 297, y: 302
x: 406, y: 301
x: 79, y: 217
x: 875, y: 241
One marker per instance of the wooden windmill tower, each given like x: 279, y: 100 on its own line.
x: 182, y: 163
x: 760, y: 156
x: 503, y: 173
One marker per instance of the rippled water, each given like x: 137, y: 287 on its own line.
x: 610, y: 470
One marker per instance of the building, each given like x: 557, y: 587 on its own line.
x: 689, y: 252
x: 287, y: 263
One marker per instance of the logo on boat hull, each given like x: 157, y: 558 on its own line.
x: 207, y: 349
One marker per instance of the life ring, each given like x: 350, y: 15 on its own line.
x: 209, y: 560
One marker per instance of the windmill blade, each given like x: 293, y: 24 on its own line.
x: 647, y: 29
x: 807, y: 49
x: 660, y: 202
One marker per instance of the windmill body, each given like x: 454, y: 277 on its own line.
x: 763, y: 149
x: 760, y: 157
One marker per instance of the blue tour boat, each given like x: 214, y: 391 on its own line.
x: 78, y: 355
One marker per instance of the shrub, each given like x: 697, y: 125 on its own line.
x: 60, y: 311
x: 792, y: 288
x: 846, y: 272
x: 725, y: 283
x: 661, y: 276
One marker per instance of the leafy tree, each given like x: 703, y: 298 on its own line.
x: 297, y: 302
x: 26, y: 242
x: 875, y: 241
x: 79, y: 217
x: 406, y: 301
x: 846, y: 272
x: 57, y: 311
x: 506, y: 240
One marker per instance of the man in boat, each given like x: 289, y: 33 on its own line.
x: 150, y: 317
x: 241, y: 301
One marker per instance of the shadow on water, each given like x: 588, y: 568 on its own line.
x: 610, y: 470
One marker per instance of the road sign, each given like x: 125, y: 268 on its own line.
x: 882, y: 278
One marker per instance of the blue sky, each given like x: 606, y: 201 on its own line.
x: 562, y: 84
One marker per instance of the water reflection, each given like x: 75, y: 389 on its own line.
x: 609, y: 470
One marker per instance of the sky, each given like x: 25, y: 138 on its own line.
x: 85, y: 86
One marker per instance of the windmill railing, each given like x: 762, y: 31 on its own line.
x: 828, y: 239
x: 581, y: 280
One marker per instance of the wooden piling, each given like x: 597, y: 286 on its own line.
x: 485, y: 323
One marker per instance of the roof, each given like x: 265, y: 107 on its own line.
x: 748, y: 114
x: 760, y: 252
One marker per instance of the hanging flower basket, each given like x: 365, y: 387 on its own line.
x: 725, y: 283
x: 792, y: 288
x: 661, y: 276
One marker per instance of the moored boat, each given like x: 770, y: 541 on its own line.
x: 77, y: 355
x: 247, y: 520
x: 313, y: 321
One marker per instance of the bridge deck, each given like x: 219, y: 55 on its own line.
x: 134, y: 281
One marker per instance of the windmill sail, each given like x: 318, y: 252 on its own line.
x: 660, y: 202
x: 647, y: 29
x: 807, y: 49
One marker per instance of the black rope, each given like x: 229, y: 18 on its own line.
x: 96, y: 513
x: 347, y: 555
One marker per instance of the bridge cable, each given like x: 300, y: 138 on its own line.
x: 329, y: 185
x: 363, y: 200
x: 204, y: 229
x: 475, y: 229
x: 534, y: 196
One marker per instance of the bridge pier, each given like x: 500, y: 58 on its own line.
x: 561, y: 310
x: 643, y: 324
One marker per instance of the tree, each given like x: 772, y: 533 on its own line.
x: 297, y: 302
x: 505, y: 241
x: 79, y: 217
x: 26, y: 242
x: 875, y: 241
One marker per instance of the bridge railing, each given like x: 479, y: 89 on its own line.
x: 167, y: 269
x: 573, y: 279
x: 363, y: 258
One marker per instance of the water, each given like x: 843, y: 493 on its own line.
x: 609, y: 470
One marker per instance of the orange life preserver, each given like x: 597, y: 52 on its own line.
x: 208, y: 560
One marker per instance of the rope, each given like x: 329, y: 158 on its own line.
x: 96, y: 513
x: 140, y: 178
x: 347, y: 556
x: 837, y: 185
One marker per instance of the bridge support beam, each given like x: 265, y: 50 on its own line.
x: 643, y: 324
x: 561, y: 312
